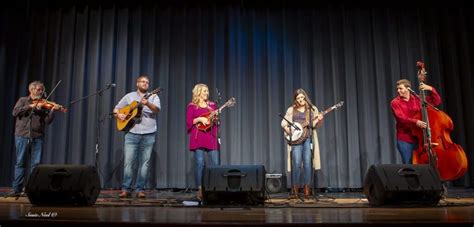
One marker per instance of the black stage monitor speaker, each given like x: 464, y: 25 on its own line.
x: 395, y: 184
x: 275, y: 183
x: 71, y: 185
x: 234, y: 185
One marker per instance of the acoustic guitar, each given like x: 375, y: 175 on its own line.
x: 133, y: 112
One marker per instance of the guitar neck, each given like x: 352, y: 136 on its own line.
x: 328, y: 110
x: 324, y: 112
x: 218, y: 110
x: 146, y: 96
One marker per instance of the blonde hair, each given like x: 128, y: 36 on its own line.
x: 404, y: 82
x: 197, y: 91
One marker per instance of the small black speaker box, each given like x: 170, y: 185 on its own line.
x: 234, y: 185
x: 395, y: 184
x: 73, y: 185
x: 275, y: 183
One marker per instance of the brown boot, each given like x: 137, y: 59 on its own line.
x: 125, y: 194
x: 294, y: 192
x: 307, y: 191
x: 199, y: 193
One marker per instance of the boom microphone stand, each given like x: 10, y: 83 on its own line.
x: 98, y: 94
x: 316, y: 196
x: 291, y: 125
x: 218, y: 123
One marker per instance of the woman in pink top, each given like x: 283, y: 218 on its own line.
x: 201, y: 142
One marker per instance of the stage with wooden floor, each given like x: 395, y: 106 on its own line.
x: 178, y: 207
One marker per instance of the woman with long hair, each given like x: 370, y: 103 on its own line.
x: 201, y: 142
x: 305, y: 150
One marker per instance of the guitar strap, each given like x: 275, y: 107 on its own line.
x: 308, y: 119
x: 292, y: 116
x: 138, y: 118
x: 209, y: 107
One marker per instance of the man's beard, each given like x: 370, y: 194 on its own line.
x: 142, y: 90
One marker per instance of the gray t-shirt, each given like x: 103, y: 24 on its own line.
x: 148, y: 123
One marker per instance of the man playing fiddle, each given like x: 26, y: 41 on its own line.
x: 31, y: 119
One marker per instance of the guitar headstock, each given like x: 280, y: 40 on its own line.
x: 421, y: 71
x: 230, y: 102
x: 339, y: 104
x: 156, y: 91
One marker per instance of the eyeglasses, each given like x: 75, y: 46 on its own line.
x: 144, y: 81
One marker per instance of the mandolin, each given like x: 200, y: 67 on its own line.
x: 212, y: 115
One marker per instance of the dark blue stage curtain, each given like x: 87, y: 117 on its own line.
x: 255, y: 53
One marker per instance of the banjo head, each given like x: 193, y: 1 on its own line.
x: 295, y: 134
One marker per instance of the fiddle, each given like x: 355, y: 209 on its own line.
x: 48, y: 105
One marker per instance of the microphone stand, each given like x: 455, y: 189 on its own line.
x: 291, y: 124
x: 422, y: 101
x: 218, y: 123
x: 427, y: 131
x: 316, y: 196
x: 99, y: 118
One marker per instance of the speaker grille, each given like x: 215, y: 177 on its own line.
x: 394, y: 184
x: 73, y: 185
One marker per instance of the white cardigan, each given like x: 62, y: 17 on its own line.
x: 315, y: 148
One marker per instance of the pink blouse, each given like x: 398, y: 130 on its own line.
x: 198, y: 138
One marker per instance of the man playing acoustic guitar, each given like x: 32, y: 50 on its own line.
x: 140, y: 136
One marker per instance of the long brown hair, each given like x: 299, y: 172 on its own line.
x: 309, y: 104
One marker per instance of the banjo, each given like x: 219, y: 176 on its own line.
x: 298, y: 135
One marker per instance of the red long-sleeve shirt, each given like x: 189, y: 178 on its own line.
x: 404, y: 111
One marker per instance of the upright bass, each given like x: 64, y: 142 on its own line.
x: 435, y: 146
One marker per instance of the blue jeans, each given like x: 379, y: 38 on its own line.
x: 406, y: 151
x: 22, y: 154
x: 137, y: 149
x: 200, y: 162
x: 301, y: 152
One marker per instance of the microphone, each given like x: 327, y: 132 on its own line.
x: 111, y: 85
x: 218, y: 98
x: 218, y: 94
x: 411, y: 90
